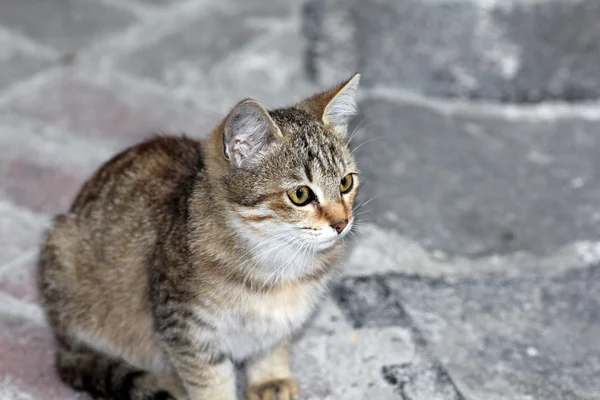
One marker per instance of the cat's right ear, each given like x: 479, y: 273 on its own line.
x: 248, y: 131
x: 335, y: 107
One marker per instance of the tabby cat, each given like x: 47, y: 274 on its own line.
x: 180, y: 259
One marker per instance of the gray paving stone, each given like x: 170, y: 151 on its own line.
x: 66, y: 25
x: 263, y: 10
x: 479, y: 185
x: 159, y: 3
x: 108, y: 108
x: 268, y: 70
x: 165, y: 60
x: 514, y: 51
x: 367, y: 301
x: 348, y: 365
x: 187, y: 55
x: 17, y: 62
x: 523, y: 338
x: 425, y: 380
x: 19, y: 66
x: 40, y: 143
x: 327, y: 320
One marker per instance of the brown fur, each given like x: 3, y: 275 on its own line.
x: 152, y: 289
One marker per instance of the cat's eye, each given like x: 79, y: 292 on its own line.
x: 301, y: 195
x: 346, y: 184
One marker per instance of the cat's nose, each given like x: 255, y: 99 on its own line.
x: 340, y: 225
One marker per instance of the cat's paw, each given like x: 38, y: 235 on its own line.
x: 278, y: 389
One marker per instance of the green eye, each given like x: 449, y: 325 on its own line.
x: 346, y: 184
x: 301, y: 195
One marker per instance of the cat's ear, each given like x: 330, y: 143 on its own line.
x: 248, y: 131
x: 342, y: 107
x: 337, y: 106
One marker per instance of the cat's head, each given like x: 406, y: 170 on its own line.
x: 291, y: 177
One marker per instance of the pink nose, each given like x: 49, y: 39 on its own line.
x: 340, y: 225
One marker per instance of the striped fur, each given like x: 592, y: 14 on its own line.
x: 180, y: 258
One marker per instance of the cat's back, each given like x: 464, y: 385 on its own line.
x: 113, y: 225
x: 145, y: 175
x: 93, y: 265
x: 132, y: 198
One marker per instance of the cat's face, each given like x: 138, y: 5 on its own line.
x: 292, y: 181
x: 302, y: 189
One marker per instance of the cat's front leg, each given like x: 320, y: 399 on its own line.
x: 197, y: 354
x: 204, y: 378
x: 269, y: 376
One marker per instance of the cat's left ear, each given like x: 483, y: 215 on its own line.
x: 337, y: 106
x: 247, y: 133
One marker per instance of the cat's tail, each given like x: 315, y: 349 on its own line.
x: 111, y: 378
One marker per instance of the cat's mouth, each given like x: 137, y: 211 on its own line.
x: 324, y: 243
x: 327, y: 243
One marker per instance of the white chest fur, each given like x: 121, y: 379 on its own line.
x: 262, y: 320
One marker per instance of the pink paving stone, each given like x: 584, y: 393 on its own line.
x: 20, y: 234
x: 20, y: 281
x: 27, y: 362
x: 25, y: 292
x: 113, y: 108
x: 38, y: 188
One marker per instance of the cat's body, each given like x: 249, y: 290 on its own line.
x: 179, y: 258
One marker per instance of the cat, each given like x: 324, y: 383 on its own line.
x: 180, y: 259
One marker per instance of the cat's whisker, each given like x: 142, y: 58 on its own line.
x: 253, y: 254
x: 269, y: 240
x: 356, y: 130
x: 260, y: 257
x: 257, y: 257
x: 276, y: 235
x: 303, y: 249
x: 235, y: 266
x: 363, y: 143
x: 282, y: 268
x: 355, y: 233
x: 361, y: 232
x: 302, y: 265
x: 257, y: 263
x: 309, y: 254
x: 364, y: 217
x: 364, y: 203
x: 261, y: 244
x: 359, y: 222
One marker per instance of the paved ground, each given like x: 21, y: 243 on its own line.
x: 476, y: 274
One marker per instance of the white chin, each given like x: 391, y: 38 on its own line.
x: 320, y: 246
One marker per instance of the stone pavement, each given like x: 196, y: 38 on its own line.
x: 475, y: 274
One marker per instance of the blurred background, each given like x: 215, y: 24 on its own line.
x: 475, y: 273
